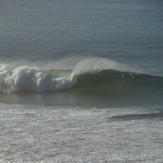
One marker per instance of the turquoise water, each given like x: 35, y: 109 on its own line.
x: 81, y: 81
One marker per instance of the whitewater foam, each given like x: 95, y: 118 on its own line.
x: 34, y: 133
x: 25, y: 78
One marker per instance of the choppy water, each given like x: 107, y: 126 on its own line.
x: 81, y: 81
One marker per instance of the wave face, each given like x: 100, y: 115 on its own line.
x: 112, y: 81
x: 118, y: 83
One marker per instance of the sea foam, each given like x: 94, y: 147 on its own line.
x: 26, y: 78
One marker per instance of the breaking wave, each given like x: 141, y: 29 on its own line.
x: 87, y: 77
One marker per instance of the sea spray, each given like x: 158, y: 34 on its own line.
x: 91, y: 64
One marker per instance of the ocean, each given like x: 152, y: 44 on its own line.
x: 81, y: 81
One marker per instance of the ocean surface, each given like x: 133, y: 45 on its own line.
x: 81, y: 81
